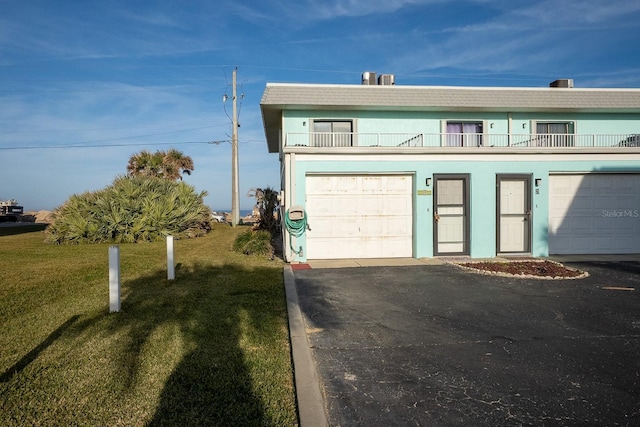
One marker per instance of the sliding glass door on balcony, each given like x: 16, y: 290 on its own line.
x: 464, y: 134
x: 332, y: 133
x: 554, y: 134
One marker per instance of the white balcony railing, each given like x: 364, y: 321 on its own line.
x: 353, y: 139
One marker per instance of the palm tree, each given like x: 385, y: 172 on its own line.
x: 176, y: 163
x: 169, y: 165
x: 144, y: 163
x: 267, y: 203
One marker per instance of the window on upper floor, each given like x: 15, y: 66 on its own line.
x: 554, y: 134
x: 464, y: 134
x: 332, y: 133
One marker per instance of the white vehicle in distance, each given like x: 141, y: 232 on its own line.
x: 220, y: 217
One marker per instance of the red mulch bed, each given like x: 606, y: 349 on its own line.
x: 526, y: 268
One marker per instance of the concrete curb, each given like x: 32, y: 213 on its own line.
x: 311, y: 408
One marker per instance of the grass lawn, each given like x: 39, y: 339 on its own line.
x: 208, y: 348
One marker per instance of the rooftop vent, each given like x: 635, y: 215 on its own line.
x: 566, y: 83
x: 386, y: 80
x: 369, y: 78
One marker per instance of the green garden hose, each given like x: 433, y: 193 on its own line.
x: 296, y: 228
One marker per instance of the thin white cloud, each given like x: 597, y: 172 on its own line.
x: 155, y: 18
x: 103, y: 113
x: 529, y: 39
x: 263, y: 12
x: 330, y: 10
x: 102, y: 30
x: 296, y: 12
x: 96, y: 111
x: 579, y: 12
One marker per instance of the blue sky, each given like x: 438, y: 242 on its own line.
x: 86, y: 84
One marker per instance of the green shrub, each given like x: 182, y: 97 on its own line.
x: 254, y: 242
x: 132, y: 209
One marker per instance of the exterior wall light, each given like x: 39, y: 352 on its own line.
x: 538, y: 181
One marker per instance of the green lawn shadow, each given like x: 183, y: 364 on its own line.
x: 212, y: 384
x: 213, y: 306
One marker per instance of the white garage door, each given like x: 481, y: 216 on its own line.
x: 594, y: 214
x: 363, y: 216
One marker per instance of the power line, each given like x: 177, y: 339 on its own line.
x: 85, y: 144
x: 138, y: 144
x: 111, y: 129
x: 488, y: 75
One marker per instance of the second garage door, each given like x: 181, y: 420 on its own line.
x: 359, y: 216
x: 594, y: 214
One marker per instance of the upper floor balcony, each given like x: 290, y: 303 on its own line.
x: 450, y: 140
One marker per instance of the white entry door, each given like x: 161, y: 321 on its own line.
x: 514, y: 214
x: 451, y: 219
x: 359, y: 216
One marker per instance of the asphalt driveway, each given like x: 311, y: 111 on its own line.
x: 436, y: 345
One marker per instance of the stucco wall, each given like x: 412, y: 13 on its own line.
x: 299, y: 121
x: 483, y: 171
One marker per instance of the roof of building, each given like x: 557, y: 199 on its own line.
x: 282, y: 96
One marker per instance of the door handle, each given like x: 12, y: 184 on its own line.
x: 436, y: 217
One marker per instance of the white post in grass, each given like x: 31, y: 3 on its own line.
x: 114, y: 278
x: 171, y: 272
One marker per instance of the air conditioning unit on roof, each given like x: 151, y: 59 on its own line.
x: 565, y: 83
x: 369, y: 78
x: 387, y: 80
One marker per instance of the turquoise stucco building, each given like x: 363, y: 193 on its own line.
x: 420, y: 171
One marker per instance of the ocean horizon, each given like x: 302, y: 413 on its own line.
x: 243, y: 212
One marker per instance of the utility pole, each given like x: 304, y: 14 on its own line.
x: 235, y: 186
